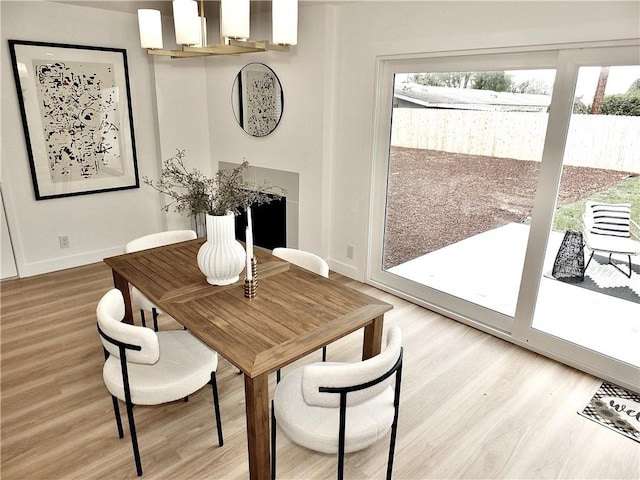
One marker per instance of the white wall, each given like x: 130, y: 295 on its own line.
x: 326, y: 130
x: 98, y: 225
x: 366, y: 30
x: 183, y: 120
x: 298, y: 143
x: 7, y: 262
x: 195, y: 113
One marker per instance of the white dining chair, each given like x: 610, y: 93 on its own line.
x: 138, y: 300
x: 144, y: 367
x: 308, y: 261
x: 341, y: 407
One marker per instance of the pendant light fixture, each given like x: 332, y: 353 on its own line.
x: 190, y: 29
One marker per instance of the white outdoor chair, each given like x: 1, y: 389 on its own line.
x: 308, y: 261
x: 608, y: 229
x: 138, y: 300
x: 341, y: 407
x: 143, y: 367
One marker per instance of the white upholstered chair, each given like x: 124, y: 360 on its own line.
x: 138, y: 300
x: 608, y: 229
x: 341, y: 408
x: 143, y: 367
x: 308, y: 261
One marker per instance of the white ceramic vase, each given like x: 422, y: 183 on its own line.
x: 221, y: 258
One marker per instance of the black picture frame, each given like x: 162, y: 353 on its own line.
x: 75, y: 104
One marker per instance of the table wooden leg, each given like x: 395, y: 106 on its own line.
x: 372, y: 343
x: 122, y: 285
x: 256, y: 391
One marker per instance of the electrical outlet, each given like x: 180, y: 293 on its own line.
x: 64, y: 241
x: 349, y: 251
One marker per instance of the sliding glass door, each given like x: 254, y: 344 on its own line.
x: 597, y: 308
x: 467, y: 167
x: 463, y: 168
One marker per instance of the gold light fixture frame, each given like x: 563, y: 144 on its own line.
x: 227, y: 46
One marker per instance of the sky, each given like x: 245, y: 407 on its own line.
x: 620, y: 78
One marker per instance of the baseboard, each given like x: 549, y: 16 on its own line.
x: 62, y: 263
x: 344, y: 269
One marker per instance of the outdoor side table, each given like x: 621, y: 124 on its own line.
x: 569, y: 263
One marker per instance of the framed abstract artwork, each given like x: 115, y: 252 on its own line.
x: 75, y: 103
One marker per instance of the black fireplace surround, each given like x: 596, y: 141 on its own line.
x: 269, y: 224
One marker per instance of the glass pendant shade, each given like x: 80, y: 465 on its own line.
x: 191, y: 29
x: 150, y: 26
x: 284, y: 22
x: 202, y: 29
x: 234, y: 21
x: 186, y: 22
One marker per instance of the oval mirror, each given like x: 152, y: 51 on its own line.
x: 257, y: 99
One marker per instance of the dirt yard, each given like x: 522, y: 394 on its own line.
x: 439, y: 198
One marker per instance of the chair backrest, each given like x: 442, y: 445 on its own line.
x: 159, y: 239
x: 307, y: 260
x: 323, y: 375
x: 612, y: 219
x: 110, y: 312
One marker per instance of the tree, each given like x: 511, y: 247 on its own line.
x: 444, y: 79
x: 496, y: 81
x: 598, y: 98
x: 627, y: 104
x: 580, y: 107
x: 635, y: 86
x: 530, y: 85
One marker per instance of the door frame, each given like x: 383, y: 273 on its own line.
x: 566, y: 59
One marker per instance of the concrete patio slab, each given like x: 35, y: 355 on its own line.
x: 486, y: 268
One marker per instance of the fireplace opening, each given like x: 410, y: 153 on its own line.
x: 269, y: 224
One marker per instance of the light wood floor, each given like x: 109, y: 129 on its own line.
x: 473, y: 406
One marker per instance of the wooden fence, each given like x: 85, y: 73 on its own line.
x: 600, y: 141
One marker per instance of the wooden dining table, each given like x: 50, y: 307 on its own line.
x: 294, y: 313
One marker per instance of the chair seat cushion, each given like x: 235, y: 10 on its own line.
x: 185, y: 366
x: 606, y: 243
x: 139, y: 301
x: 317, y: 428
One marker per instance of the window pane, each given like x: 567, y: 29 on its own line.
x: 463, y: 169
x: 601, y: 164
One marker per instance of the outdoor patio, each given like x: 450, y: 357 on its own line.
x: 486, y: 268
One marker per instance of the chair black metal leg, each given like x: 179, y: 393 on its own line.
x: 278, y: 376
x: 628, y: 275
x: 144, y: 323
x: 273, y: 443
x: 324, y: 353
x: 394, y: 425
x: 392, y: 447
x: 216, y: 406
x: 342, y: 434
x: 134, y: 438
x: 589, y: 261
x: 155, y: 319
x: 116, y: 411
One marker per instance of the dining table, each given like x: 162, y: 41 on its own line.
x: 294, y: 313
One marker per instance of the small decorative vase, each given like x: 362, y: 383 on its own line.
x: 221, y: 258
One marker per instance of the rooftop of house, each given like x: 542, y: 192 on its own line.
x: 470, y: 99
